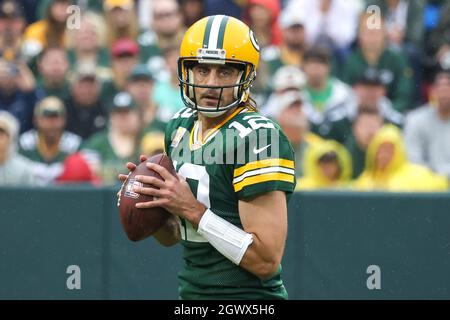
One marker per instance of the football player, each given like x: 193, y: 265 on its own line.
x: 235, y: 171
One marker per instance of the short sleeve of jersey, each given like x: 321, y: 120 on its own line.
x: 268, y: 166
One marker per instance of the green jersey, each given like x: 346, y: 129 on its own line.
x: 243, y: 156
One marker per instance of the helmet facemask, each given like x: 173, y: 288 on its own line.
x: 240, y: 88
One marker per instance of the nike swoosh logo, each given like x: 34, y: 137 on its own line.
x: 256, y: 151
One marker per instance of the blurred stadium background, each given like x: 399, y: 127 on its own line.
x: 360, y: 87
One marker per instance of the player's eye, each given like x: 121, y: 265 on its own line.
x: 225, y: 72
x: 201, y: 70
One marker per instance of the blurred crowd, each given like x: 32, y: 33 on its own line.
x: 360, y: 87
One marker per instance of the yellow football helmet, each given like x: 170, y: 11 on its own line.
x: 218, y: 39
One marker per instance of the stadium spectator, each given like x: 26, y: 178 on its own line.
x: 167, y: 92
x: 293, y: 43
x: 294, y: 122
x: 404, y: 33
x: 30, y: 9
x: 86, y: 114
x: 167, y: 30
x: 327, y: 165
x: 324, y: 91
x: 288, y: 84
x: 14, y: 168
x: 140, y: 85
x: 387, y: 168
x: 369, y: 92
x: 49, y: 31
x: 49, y: 144
x: 106, y: 151
x: 152, y: 143
x: 364, y: 127
x: 436, y: 48
x: 87, y: 44
x: 262, y: 17
x: 12, y: 24
x: 372, y: 52
x: 121, y: 20
x: 53, y: 67
x: 84, y: 5
x: 192, y: 10
x: 18, y: 93
x: 233, y: 8
x: 76, y: 170
x: 427, y: 129
x: 125, y: 55
x: 330, y: 23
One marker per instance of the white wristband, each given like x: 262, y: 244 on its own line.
x: 228, y: 239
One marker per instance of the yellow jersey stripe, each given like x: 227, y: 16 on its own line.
x: 263, y: 164
x: 263, y: 178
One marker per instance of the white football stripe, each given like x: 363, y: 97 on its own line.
x: 214, y: 34
x: 262, y: 171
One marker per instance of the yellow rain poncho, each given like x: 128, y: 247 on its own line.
x: 313, y: 177
x: 399, y: 174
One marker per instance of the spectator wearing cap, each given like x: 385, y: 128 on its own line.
x: 106, y: 151
x: 330, y: 23
x: 12, y: 24
x: 53, y: 67
x: 15, y: 170
x: 49, y: 31
x: 140, y: 85
x: 167, y: 91
x: 49, y: 144
x: 293, y: 43
x: 86, y: 114
x: 324, y: 91
x: 166, y: 31
x: 121, y: 20
x: 288, y: 83
x: 76, y: 170
x: 355, y: 123
x: 372, y: 52
x: 427, y: 129
x: 87, y: 44
x: 292, y: 117
x: 369, y: 92
x: 124, y: 56
x: 18, y: 93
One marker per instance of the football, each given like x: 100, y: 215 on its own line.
x: 142, y: 223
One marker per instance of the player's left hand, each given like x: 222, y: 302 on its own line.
x: 174, y: 194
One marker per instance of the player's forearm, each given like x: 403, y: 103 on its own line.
x: 169, y: 234
x: 262, y: 259
x: 259, y: 251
